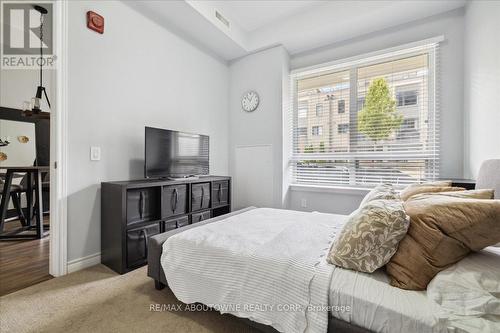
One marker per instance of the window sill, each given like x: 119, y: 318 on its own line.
x: 330, y: 189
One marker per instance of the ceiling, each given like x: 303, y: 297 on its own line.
x: 232, y: 29
x: 252, y: 15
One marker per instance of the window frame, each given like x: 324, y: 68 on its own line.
x: 429, y: 46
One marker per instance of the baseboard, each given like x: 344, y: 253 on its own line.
x: 84, y: 262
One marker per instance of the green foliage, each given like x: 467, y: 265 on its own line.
x: 322, y: 147
x: 378, y: 118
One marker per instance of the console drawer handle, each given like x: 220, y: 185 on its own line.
x: 141, y: 204
x: 145, y: 233
x: 176, y: 199
x: 202, y: 196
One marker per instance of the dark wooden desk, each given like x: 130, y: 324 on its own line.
x: 34, y: 174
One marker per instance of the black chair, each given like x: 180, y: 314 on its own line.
x: 16, y: 191
x: 15, y: 194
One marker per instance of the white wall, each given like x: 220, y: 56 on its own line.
x: 18, y: 153
x: 482, y: 84
x: 135, y: 74
x: 263, y: 72
x: 450, y: 25
x: 19, y: 85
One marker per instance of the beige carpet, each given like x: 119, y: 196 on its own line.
x: 98, y: 300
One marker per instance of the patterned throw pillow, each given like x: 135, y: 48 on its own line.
x: 371, y: 236
x: 382, y: 191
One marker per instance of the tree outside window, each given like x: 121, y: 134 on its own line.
x: 378, y: 119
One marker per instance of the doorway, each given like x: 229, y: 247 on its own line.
x: 26, y: 261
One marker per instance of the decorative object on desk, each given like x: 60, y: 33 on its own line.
x: 3, y: 156
x: 4, y: 142
x: 23, y: 139
x: 35, y: 111
x: 95, y: 22
x: 250, y: 101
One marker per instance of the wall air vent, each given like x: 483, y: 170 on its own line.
x: 221, y: 18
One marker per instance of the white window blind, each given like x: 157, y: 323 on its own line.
x: 379, y: 120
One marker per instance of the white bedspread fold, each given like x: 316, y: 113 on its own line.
x: 266, y: 264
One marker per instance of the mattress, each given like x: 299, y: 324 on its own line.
x: 266, y: 264
x: 369, y: 301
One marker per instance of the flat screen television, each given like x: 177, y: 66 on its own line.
x: 175, y: 154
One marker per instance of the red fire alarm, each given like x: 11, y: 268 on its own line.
x: 95, y: 22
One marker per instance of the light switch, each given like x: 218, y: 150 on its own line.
x: 95, y: 153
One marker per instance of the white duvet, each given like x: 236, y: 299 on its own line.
x: 267, y: 265
x: 469, y: 293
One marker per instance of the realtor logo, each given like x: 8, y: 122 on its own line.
x: 21, y: 34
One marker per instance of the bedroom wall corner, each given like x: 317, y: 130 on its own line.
x: 481, y: 84
x: 257, y: 132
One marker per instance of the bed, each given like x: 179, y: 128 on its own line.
x: 374, y: 305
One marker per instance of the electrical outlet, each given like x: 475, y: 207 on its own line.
x: 303, y: 203
x: 95, y: 153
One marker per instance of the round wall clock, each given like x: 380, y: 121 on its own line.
x: 250, y: 101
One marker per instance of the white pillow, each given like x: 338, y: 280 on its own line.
x: 469, y: 292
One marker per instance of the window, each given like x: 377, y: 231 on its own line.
x: 408, y: 129
x: 317, y: 130
x: 302, y: 112
x: 361, y: 103
x: 302, y: 131
x: 341, y: 106
x: 319, y: 107
x: 343, y: 128
x: 409, y: 124
x: 407, y: 98
x: 380, y: 140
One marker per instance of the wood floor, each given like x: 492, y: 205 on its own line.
x: 23, y: 262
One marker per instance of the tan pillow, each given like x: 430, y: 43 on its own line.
x: 421, y: 188
x: 443, y: 230
x: 471, y: 194
x: 382, y: 191
x: 370, y: 237
x: 441, y: 183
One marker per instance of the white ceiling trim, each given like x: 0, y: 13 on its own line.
x: 299, y: 27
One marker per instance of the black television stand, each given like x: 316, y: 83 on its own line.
x: 132, y: 211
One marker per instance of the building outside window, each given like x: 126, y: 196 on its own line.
x: 317, y: 130
x: 407, y: 98
x: 361, y: 103
x: 341, y: 106
x: 302, y: 131
x: 302, y: 113
x: 319, y: 108
x: 343, y: 128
